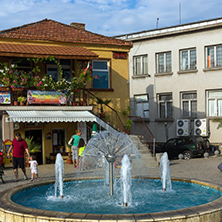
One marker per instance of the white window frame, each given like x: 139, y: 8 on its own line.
x: 165, y: 63
x: 189, y: 104
x: 215, y: 99
x: 103, y: 70
x: 142, y: 64
x: 143, y: 103
x: 189, y: 59
x: 208, y: 64
x: 165, y: 102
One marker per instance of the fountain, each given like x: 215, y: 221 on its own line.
x: 59, y: 172
x: 111, y: 146
x: 88, y: 199
x: 125, y: 176
x: 165, y: 172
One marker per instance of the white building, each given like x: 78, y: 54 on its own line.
x: 176, y: 73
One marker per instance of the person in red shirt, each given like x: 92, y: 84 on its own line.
x: 19, y: 147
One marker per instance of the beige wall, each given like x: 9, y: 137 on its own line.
x: 199, y: 81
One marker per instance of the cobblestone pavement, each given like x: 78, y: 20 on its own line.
x: 196, y: 168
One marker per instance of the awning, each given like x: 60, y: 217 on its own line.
x: 51, y: 116
x: 44, y: 51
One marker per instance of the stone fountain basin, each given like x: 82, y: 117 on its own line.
x: 10, y: 211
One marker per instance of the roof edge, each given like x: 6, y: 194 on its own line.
x: 126, y: 36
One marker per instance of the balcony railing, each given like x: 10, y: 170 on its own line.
x: 80, y: 97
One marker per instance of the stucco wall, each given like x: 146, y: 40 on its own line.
x: 199, y: 81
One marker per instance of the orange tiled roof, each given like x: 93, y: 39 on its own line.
x: 50, y: 30
x: 45, y: 50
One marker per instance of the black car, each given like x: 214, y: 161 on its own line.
x: 189, y: 146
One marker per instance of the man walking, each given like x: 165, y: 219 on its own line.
x: 19, y: 147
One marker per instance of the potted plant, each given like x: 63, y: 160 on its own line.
x: 128, y: 125
x: 102, y: 102
x: 33, y: 148
x: 15, y: 102
x: 21, y: 100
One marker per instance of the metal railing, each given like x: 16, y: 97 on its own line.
x: 143, y: 131
x: 83, y: 97
x: 112, y: 117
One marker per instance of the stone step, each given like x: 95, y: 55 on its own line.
x: 147, y: 160
x: 139, y: 143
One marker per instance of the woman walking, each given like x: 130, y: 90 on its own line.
x: 74, y: 147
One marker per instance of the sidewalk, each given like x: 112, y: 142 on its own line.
x: 196, y: 168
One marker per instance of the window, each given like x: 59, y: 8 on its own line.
x: 214, y: 103
x: 101, y: 70
x: 58, y: 140
x: 214, y: 56
x: 140, y: 65
x: 188, y: 59
x: 165, y: 106
x: 164, y: 62
x: 23, y: 64
x: 53, y: 69
x: 142, y: 105
x: 189, y: 104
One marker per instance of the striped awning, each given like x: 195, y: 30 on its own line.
x: 51, y: 116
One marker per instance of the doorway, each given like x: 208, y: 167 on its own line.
x: 37, y: 139
x: 58, y: 140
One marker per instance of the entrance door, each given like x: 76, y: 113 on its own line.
x: 37, y: 139
x: 58, y: 140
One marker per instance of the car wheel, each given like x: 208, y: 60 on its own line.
x: 187, y: 154
x: 206, y: 144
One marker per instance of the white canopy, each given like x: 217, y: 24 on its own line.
x: 51, y: 116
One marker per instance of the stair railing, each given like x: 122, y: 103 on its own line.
x: 144, y: 133
x: 115, y: 122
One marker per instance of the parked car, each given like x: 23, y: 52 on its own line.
x: 189, y: 146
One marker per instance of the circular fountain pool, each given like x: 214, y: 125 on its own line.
x: 91, y: 196
x: 210, y: 211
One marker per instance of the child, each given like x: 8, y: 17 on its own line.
x: 81, y: 147
x: 34, y: 167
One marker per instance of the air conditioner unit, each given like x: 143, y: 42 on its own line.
x: 16, y: 126
x: 200, y: 127
x: 183, y: 127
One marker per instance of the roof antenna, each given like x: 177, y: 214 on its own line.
x: 180, y: 13
x: 157, y: 21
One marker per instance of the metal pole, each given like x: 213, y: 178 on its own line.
x: 154, y: 152
x: 111, y: 178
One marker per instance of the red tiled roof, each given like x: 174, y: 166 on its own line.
x: 50, y: 30
x: 45, y: 50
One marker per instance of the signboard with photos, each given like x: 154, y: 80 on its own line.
x: 5, y: 98
x: 46, y: 97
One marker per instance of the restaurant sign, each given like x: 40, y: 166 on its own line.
x: 45, y: 97
x: 5, y: 98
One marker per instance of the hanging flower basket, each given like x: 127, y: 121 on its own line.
x: 20, y: 89
x: 3, y: 88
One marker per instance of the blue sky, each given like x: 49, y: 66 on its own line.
x: 109, y: 17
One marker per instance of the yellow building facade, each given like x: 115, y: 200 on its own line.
x: 70, y: 45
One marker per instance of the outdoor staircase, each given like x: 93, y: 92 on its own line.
x: 105, y: 125
x: 146, y: 156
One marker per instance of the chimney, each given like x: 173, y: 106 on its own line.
x: 78, y: 25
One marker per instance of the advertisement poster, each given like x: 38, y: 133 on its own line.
x: 5, y: 98
x: 45, y: 97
